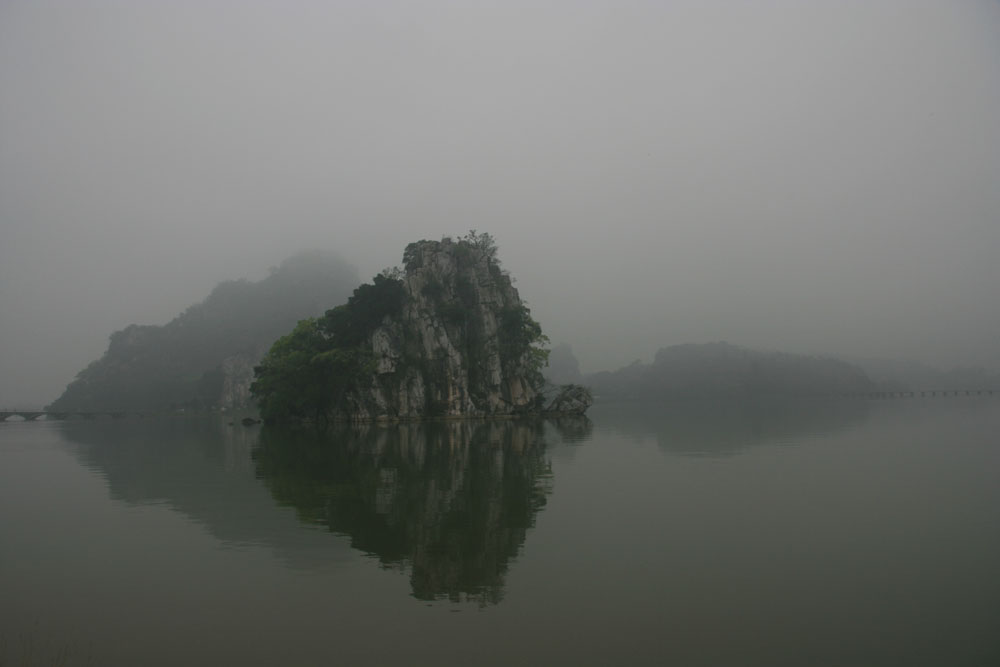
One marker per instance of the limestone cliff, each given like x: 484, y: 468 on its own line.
x: 457, y: 348
x: 237, y: 376
x: 445, y: 336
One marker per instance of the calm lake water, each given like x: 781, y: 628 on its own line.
x: 801, y: 533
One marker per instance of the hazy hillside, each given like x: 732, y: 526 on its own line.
x: 563, y: 366
x: 204, y: 357
x: 904, y: 375
x: 721, y: 369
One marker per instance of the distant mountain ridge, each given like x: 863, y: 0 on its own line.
x: 725, y: 370
x: 905, y: 375
x: 204, y: 357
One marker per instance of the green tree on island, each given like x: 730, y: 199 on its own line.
x: 307, y: 371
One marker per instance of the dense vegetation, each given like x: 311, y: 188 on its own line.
x: 721, y: 369
x: 307, y: 372
x: 180, y: 364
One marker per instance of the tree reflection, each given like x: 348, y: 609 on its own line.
x: 452, y: 501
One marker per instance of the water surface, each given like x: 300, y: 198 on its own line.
x: 768, y: 533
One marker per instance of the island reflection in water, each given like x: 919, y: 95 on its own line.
x: 682, y: 533
x: 725, y: 427
x: 452, y: 501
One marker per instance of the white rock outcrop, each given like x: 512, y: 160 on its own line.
x: 454, y: 350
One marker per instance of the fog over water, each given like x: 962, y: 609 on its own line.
x: 816, y: 177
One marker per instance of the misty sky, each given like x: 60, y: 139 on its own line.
x: 819, y: 177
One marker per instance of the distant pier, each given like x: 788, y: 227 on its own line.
x: 927, y: 393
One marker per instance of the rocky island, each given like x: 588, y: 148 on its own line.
x: 445, y: 336
x: 203, y: 359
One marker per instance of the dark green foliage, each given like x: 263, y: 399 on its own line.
x: 179, y: 364
x: 392, y: 272
x: 307, y: 372
x: 303, y: 374
x: 351, y: 323
x: 412, y: 260
x: 517, y: 330
x: 483, y: 246
x: 521, y: 336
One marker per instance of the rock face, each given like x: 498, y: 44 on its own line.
x: 237, y: 376
x: 571, y: 400
x: 456, y: 349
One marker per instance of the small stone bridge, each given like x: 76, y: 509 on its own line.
x: 33, y: 415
